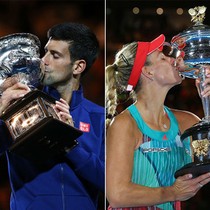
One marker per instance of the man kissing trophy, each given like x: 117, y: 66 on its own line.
x: 35, y: 129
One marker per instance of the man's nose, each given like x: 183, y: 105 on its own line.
x: 42, y: 64
x: 44, y: 59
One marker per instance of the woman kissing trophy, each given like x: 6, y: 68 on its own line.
x: 194, y: 43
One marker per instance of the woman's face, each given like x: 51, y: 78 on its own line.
x: 164, y: 69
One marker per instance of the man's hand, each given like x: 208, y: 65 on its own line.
x: 11, y: 90
x: 62, y: 109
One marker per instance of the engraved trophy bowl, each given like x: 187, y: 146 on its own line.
x: 36, y: 131
x: 19, y: 57
x: 194, y: 43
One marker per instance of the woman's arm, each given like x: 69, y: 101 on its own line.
x: 185, y: 119
x: 121, y: 192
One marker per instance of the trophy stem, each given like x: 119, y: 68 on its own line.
x: 205, y: 100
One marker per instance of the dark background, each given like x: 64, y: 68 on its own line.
x: 123, y: 26
x: 34, y: 16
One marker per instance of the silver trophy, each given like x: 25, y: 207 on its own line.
x: 34, y: 126
x: 20, y: 58
x: 194, y: 42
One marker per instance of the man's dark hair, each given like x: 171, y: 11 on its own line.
x: 83, y: 42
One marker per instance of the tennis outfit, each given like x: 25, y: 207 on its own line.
x: 158, y: 157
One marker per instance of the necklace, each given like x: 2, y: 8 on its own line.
x: 165, y: 126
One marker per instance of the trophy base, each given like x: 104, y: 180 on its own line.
x: 37, y: 133
x: 202, y: 128
x: 196, y: 169
x: 47, y: 140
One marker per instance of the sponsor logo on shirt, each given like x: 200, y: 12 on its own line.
x: 85, y: 127
x: 165, y: 149
x: 165, y: 137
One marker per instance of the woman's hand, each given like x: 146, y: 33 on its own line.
x: 62, y: 109
x: 186, y: 187
x: 205, y: 90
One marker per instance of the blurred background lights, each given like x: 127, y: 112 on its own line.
x: 179, y: 11
x: 136, y: 10
x: 159, y: 11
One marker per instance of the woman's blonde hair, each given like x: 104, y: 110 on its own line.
x: 117, y: 76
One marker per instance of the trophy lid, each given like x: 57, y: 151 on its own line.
x: 198, y: 29
x: 195, y: 42
x: 19, y: 54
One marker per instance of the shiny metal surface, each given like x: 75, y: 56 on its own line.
x: 20, y: 57
x: 195, y: 43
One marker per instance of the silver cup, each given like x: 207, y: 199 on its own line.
x: 194, y: 42
x: 20, y: 58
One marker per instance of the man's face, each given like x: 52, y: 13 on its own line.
x: 56, y: 65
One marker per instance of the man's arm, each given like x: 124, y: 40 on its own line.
x: 11, y: 90
x: 88, y: 165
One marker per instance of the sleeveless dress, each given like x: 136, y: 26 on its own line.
x: 158, y: 157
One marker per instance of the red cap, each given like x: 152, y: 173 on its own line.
x: 143, y: 49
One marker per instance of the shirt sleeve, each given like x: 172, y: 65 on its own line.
x: 88, y: 165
